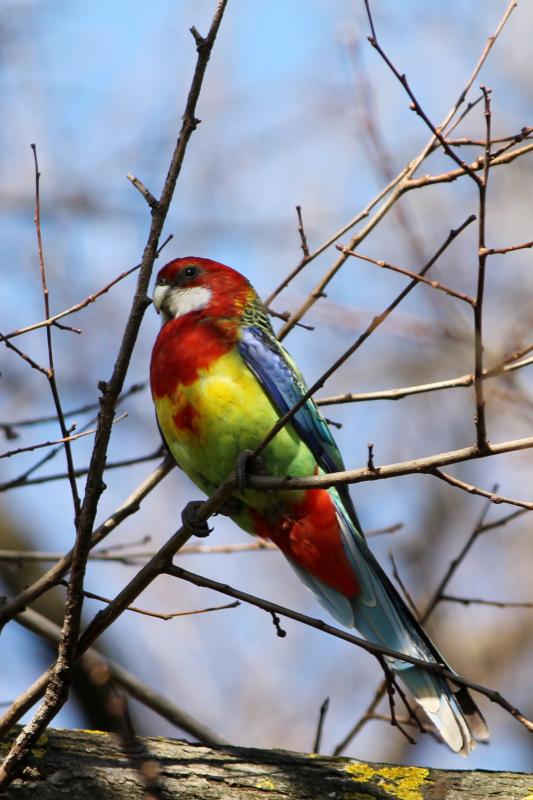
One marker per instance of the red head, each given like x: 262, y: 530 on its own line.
x: 194, y: 284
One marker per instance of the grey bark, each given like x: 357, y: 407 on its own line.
x: 98, y: 766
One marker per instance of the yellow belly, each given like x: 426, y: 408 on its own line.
x: 208, y: 423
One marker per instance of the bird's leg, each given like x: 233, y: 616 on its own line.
x: 189, y: 518
x: 230, y: 507
x: 245, y: 464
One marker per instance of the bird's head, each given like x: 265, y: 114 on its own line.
x: 192, y: 284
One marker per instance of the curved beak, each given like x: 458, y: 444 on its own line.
x: 159, y: 297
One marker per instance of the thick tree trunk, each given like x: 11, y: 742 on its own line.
x: 98, y: 766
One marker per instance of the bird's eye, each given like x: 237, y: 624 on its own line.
x: 190, y: 272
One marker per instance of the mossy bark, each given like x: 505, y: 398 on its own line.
x: 88, y: 765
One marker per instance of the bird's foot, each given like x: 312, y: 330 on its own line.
x: 189, y: 518
x: 231, y: 507
x: 246, y: 464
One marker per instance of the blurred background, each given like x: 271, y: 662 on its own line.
x: 296, y: 109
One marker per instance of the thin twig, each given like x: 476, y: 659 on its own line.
x: 495, y: 251
x: 410, y: 274
x: 395, y: 189
x: 301, y: 231
x: 135, y: 557
x: 407, y: 595
x: 467, y: 601
x: 471, y: 489
x: 101, y: 668
x: 156, y: 566
x: 514, y: 138
x: 462, y: 381
x: 475, y: 166
x: 433, y: 668
x: 23, y: 480
x: 51, y: 369
x: 456, y: 562
x: 52, y: 320
x: 415, y: 105
x: 481, y: 426
x: 70, y: 437
x: 324, y: 708
x: 31, y: 421
x: 375, y: 323
x: 391, y: 686
x: 502, y: 521
x: 156, y: 614
x: 148, y: 196
x: 58, y: 678
x: 25, y: 357
x: 59, y: 570
x: 79, y: 306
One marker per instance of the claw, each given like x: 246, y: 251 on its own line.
x: 245, y: 464
x: 242, y: 466
x: 190, y: 519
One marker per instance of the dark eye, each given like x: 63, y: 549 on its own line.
x: 190, y: 272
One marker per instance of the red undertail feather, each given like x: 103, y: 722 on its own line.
x: 309, y: 534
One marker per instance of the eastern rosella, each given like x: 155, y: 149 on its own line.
x: 220, y: 379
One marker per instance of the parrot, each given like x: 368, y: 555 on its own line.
x: 220, y: 379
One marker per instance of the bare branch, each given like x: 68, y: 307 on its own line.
x: 324, y: 708
x: 23, y: 480
x: 71, y: 437
x: 156, y: 614
x: 59, y: 678
x: 395, y: 189
x: 494, y: 251
x: 471, y: 489
x: 148, y: 196
x: 53, y: 320
x: 33, y: 364
x: 156, y: 566
x: 478, y: 164
x: 481, y: 428
x: 415, y: 105
x: 59, y: 570
x: 31, y: 421
x: 51, y: 369
x: 103, y: 669
x: 377, y: 650
x: 409, y: 274
x: 462, y: 381
x: 301, y: 231
x: 467, y: 601
x: 423, y: 465
x: 141, y: 556
x: 375, y: 323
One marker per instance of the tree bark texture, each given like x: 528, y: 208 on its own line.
x: 88, y: 765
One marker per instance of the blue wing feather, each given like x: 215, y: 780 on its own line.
x: 280, y: 378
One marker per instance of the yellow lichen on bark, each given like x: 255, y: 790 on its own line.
x: 404, y: 783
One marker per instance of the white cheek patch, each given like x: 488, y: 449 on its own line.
x: 183, y: 301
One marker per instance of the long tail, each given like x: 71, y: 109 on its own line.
x: 381, y: 615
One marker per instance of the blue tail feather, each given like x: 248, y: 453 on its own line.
x: 382, y: 617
